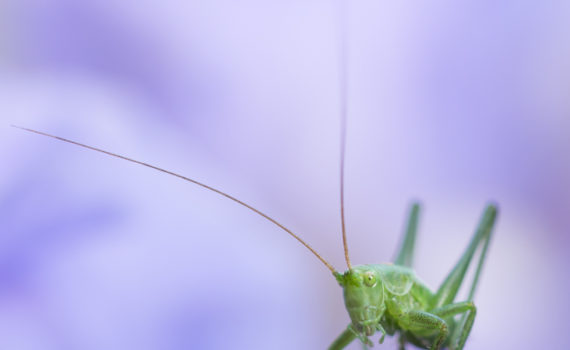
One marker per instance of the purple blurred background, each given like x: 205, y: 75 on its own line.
x: 453, y: 103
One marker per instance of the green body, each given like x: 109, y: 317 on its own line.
x: 391, y: 299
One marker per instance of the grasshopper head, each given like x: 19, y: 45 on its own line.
x: 363, y: 297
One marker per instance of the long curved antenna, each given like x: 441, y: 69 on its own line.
x: 329, y: 266
x: 343, y: 19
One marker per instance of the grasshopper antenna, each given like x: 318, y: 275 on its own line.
x: 329, y: 266
x: 343, y: 19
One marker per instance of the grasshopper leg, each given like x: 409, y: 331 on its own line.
x: 462, y: 330
x: 401, y: 343
x: 405, y: 254
x: 426, y: 321
x: 450, y: 286
x: 443, y: 299
x: 343, y: 340
x: 350, y: 334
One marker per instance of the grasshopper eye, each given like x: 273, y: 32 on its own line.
x: 369, y: 279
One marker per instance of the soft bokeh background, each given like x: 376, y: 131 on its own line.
x: 453, y: 103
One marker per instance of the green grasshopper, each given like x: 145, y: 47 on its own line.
x: 386, y: 298
x: 389, y: 298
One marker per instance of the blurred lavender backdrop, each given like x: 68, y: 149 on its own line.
x: 454, y: 103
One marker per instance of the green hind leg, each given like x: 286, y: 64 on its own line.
x: 450, y: 286
x: 418, y: 322
x: 434, y: 320
x: 462, y: 330
x: 443, y: 299
x: 406, y: 252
